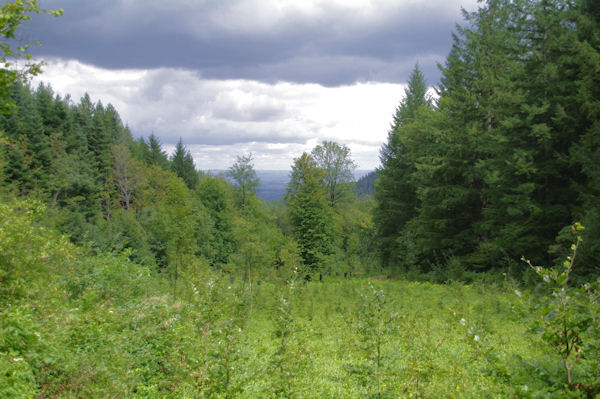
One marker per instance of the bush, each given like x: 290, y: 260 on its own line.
x: 28, y: 251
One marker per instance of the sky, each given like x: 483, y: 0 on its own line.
x: 228, y: 77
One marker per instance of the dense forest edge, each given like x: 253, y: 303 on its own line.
x: 466, y: 265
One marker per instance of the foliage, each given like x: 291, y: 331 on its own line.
x: 568, y: 321
x: 168, y: 289
x: 12, y: 15
x: 151, y: 152
x: 217, y: 197
x: 365, y: 186
x: 338, y: 168
x: 98, y: 325
x: 27, y: 249
x: 375, y: 322
x: 395, y: 190
x: 309, y: 211
x: 565, y: 319
x: 170, y: 220
x: 182, y: 164
x: 243, y: 174
x: 290, y: 357
x: 503, y: 161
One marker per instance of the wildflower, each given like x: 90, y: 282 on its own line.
x: 463, y: 321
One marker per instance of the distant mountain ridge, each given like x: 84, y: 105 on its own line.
x: 365, y: 186
x: 272, y: 183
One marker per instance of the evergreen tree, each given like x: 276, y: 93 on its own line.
x: 29, y: 157
x: 99, y: 141
x: 585, y: 153
x: 156, y: 155
x: 481, y: 104
x: 395, y: 193
x: 182, y: 164
x: 538, y: 136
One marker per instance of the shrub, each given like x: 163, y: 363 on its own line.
x: 568, y: 320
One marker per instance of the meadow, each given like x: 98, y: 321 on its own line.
x: 333, y: 339
x: 82, y: 325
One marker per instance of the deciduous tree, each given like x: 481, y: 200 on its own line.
x: 12, y: 48
x: 338, y: 168
x: 244, y: 177
x: 309, y: 211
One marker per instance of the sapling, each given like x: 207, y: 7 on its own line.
x: 286, y: 361
x: 374, y: 325
x: 568, y: 321
x: 220, y: 320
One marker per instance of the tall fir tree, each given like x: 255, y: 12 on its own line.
x: 156, y: 155
x: 182, y: 164
x: 395, y: 191
x: 585, y: 153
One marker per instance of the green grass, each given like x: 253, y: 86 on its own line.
x: 78, y: 326
x: 425, y: 352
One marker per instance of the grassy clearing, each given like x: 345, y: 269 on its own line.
x: 425, y: 349
x: 105, y: 327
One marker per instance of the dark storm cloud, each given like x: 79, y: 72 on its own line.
x: 235, y: 40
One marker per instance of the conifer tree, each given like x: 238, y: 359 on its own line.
x: 182, y: 164
x: 480, y: 104
x: 156, y: 155
x: 585, y: 153
x: 395, y: 193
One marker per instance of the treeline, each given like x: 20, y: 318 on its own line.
x: 505, y: 157
x: 112, y: 193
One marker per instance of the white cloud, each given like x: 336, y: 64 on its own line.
x: 219, y: 119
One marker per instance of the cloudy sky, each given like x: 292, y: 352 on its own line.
x: 271, y: 77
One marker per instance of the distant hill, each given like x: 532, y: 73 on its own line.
x: 365, y: 186
x: 272, y: 183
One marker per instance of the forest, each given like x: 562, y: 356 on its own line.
x: 466, y: 266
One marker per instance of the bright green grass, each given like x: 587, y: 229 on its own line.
x: 427, y: 353
x: 136, y: 342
